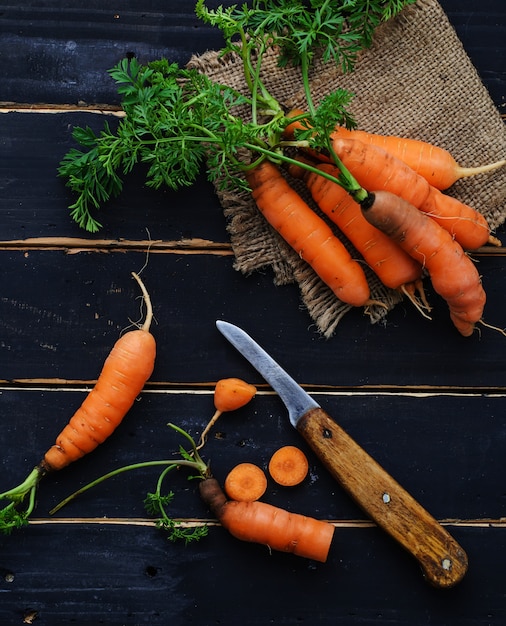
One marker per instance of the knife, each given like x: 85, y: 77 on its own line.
x: 443, y: 561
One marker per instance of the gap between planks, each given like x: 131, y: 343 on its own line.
x: 74, y: 245
x: 194, y: 522
x: 263, y: 389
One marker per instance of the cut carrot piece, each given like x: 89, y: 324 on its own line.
x: 288, y: 466
x: 246, y: 482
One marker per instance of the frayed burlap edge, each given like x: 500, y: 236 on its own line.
x: 415, y: 81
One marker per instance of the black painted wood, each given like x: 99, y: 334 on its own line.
x: 426, y: 403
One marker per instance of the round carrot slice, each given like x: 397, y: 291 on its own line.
x: 288, y: 466
x: 246, y: 482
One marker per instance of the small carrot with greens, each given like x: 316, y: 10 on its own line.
x: 269, y: 525
x: 393, y: 266
x: 435, y: 164
x: 376, y: 169
x: 453, y: 274
x: 288, y: 466
x: 245, y: 482
x: 124, y: 374
x: 230, y: 394
x: 308, y: 234
x: 249, y: 521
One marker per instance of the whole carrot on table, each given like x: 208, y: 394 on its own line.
x: 125, y: 372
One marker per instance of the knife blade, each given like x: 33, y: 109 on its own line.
x: 443, y: 561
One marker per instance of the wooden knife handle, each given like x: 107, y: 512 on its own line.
x: 443, y: 561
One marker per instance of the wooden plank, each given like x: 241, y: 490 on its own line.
x: 364, y: 582
x: 62, y: 305
x: 61, y: 54
x: 34, y: 199
x: 446, y: 450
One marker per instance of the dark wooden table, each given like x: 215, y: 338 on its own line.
x: 429, y: 405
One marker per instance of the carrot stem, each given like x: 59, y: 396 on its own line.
x: 149, y: 308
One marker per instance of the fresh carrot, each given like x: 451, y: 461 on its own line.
x: 376, y: 169
x: 308, y: 234
x: 393, y: 266
x: 125, y: 371
x: 288, y: 466
x: 230, y: 394
x: 246, y: 482
x: 434, y: 163
x: 259, y: 522
x: 453, y: 274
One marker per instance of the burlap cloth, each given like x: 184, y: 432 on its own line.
x: 415, y: 81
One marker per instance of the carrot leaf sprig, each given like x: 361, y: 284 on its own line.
x: 21, y: 503
x: 156, y: 502
x: 178, y: 120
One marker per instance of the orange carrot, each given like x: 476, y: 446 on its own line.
x: 246, y: 482
x: 274, y: 527
x: 288, y: 466
x: 375, y: 169
x: 434, y: 163
x: 230, y: 394
x: 453, y: 274
x: 308, y: 234
x: 126, y: 370
x: 393, y: 266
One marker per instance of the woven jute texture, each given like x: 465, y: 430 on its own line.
x: 415, y: 81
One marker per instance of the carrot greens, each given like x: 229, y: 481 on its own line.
x: 178, y: 121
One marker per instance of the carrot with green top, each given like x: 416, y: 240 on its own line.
x: 435, y: 164
x: 375, y: 169
x: 124, y: 374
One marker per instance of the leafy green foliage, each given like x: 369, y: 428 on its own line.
x: 177, y: 120
x: 156, y: 504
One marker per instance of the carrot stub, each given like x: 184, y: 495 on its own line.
x: 259, y: 522
x: 288, y: 466
x: 230, y: 394
x: 246, y: 482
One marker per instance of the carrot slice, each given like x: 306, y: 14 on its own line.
x: 288, y: 466
x: 246, y: 482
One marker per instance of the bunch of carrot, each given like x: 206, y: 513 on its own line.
x: 394, y: 213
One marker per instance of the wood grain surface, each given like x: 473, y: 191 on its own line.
x: 427, y: 404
